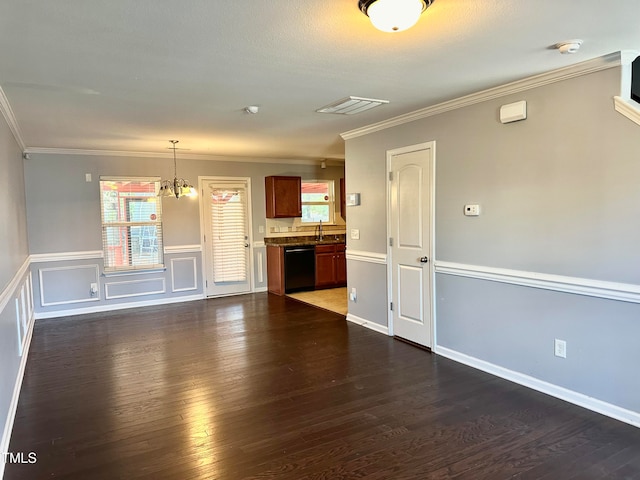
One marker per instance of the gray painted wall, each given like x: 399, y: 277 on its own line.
x: 68, y: 221
x: 13, y: 217
x: 559, y: 195
x: 64, y: 216
x: 14, y: 251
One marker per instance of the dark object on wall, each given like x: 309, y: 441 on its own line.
x: 635, y: 80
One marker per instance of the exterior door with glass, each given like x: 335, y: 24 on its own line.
x: 226, y: 236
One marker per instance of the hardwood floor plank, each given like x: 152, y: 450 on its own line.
x: 266, y: 387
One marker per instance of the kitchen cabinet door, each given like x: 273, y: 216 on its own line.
x: 283, y: 196
x: 331, y: 266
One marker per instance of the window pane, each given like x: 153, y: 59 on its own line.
x: 131, y: 224
x: 315, y: 192
x: 315, y: 213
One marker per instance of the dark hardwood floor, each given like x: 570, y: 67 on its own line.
x: 265, y: 387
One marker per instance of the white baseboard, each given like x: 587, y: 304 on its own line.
x: 590, y: 403
x: 13, y: 406
x: 376, y: 327
x: 117, y: 306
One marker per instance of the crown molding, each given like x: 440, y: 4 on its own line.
x: 628, y: 108
x: 590, y: 66
x: 7, y: 113
x: 183, y: 155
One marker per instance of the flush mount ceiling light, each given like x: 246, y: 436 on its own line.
x: 351, y: 105
x: 179, y: 187
x: 393, y: 15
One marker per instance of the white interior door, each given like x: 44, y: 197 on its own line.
x: 226, y: 236
x: 410, y: 214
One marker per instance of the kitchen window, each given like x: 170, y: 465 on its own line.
x: 318, y: 201
x: 131, y: 223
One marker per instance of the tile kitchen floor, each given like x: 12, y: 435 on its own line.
x: 333, y: 299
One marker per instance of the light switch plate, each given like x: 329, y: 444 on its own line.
x: 352, y: 199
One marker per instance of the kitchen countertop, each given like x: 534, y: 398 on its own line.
x: 300, y: 241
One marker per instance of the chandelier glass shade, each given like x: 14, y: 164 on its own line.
x: 178, y: 187
x: 393, y: 15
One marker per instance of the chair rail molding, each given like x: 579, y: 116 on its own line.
x: 624, y: 292
x: 368, y: 257
x: 66, y: 256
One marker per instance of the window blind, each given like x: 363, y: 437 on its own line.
x: 131, y: 223
x: 229, y: 236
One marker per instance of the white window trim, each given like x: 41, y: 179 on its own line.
x: 331, y: 202
x: 131, y: 269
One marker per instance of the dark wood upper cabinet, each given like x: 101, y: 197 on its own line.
x: 283, y: 196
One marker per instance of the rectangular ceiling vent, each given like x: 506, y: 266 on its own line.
x: 351, y: 105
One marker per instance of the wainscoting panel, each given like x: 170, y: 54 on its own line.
x: 16, y: 328
x: 259, y: 262
x: 184, y: 274
x: 66, y: 285
x: 134, y: 288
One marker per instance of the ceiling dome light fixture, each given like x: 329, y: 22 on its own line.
x: 393, y: 15
x: 179, y: 187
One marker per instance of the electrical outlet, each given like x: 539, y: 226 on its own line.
x: 355, y: 234
x: 353, y: 296
x: 93, y: 289
x: 560, y: 348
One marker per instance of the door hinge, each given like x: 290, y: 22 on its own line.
x: 391, y: 176
x: 391, y: 306
x: 391, y: 241
x: 206, y: 283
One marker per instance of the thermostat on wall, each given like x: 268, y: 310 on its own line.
x: 352, y: 199
x: 472, y: 210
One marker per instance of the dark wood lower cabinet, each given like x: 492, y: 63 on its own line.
x: 275, y: 269
x: 331, y: 266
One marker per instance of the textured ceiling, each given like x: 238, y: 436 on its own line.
x: 129, y: 75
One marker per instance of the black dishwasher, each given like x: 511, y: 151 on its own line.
x: 299, y: 268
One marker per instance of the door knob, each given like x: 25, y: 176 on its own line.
x: 424, y: 259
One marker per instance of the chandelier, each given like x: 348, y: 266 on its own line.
x: 178, y: 187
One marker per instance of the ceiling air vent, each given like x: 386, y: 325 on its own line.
x: 351, y: 105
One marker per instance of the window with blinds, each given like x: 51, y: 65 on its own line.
x: 131, y: 223
x: 229, y: 236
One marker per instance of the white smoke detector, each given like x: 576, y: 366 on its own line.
x: 569, y: 46
x: 252, y: 109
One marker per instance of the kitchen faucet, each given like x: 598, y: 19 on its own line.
x: 319, y: 231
